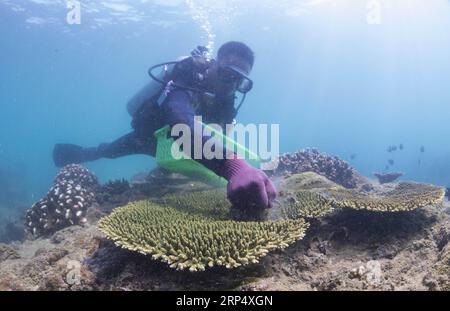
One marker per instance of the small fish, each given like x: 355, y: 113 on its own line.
x: 391, y: 148
x: 422, y: 149
x: 400, y: 147
x: 391, y: 162
x: 352, y: 156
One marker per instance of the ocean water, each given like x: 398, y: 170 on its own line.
x: 349, y: 77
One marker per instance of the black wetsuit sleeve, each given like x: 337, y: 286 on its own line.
x: 177, y: 109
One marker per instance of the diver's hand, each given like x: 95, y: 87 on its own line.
x: 248, y: 187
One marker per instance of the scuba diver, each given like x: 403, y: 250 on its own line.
x: 193, y: 86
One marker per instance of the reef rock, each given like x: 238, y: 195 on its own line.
x: 7, y: 252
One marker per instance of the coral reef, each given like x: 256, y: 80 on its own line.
x: 78, y: 175
x: 384, y: 178
x: 442, y: 268
x: 307, y: 204
x: 208, y: 203
x: 306, y: 181
x: 213, y: 203
x: 406, y: 196
x: 66, y: 202
x: 249, y: 213
x: 7, y: 252
x: 116, y: 187
x: 193, y: 242
x: 310, y: 193
x: 311, y: 160
x: 346, y: 250
x: 114, y: 191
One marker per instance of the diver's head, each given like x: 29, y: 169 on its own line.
x: 230, y: 72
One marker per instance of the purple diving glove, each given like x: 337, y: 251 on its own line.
x: 248, y: 187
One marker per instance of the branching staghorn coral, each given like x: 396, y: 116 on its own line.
x: 208, y: 203
x: 407, y: 196
x: 306, y: 204
x: 215, y: 204
x: 300, y: 196
x: 307, y: 181
x: 193, y: 241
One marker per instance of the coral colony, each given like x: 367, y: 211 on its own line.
x: 193, y: 230
x: 309, y: 195
x: 196, y: 230
x: 65, y: 204
x: 311, y: 160
x: 195, y: 242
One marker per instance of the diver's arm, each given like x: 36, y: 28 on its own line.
x: 247, y: 186
x: 177, y: 109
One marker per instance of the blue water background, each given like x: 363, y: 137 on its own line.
x: 327, y: 76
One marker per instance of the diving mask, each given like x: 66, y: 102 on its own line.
x: 232, y: 74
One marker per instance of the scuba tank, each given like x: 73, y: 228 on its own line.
x: 190, y: 67
x: 153, y: 89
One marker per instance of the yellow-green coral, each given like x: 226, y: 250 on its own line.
x: 307, y: 181
x: 213, y: 204
x: 306, y: 204
x: 193, y: 241
x: 208, y: 203
x: 407, y: 196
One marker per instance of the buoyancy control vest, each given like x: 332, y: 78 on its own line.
x: 189, y: 73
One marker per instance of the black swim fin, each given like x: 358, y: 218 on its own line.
x: 64, y: 154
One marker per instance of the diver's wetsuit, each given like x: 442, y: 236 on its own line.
x: 177, y: 108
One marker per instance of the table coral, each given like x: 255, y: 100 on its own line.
x: 195, y: 242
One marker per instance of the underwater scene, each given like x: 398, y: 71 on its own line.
x: 244, y: 145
